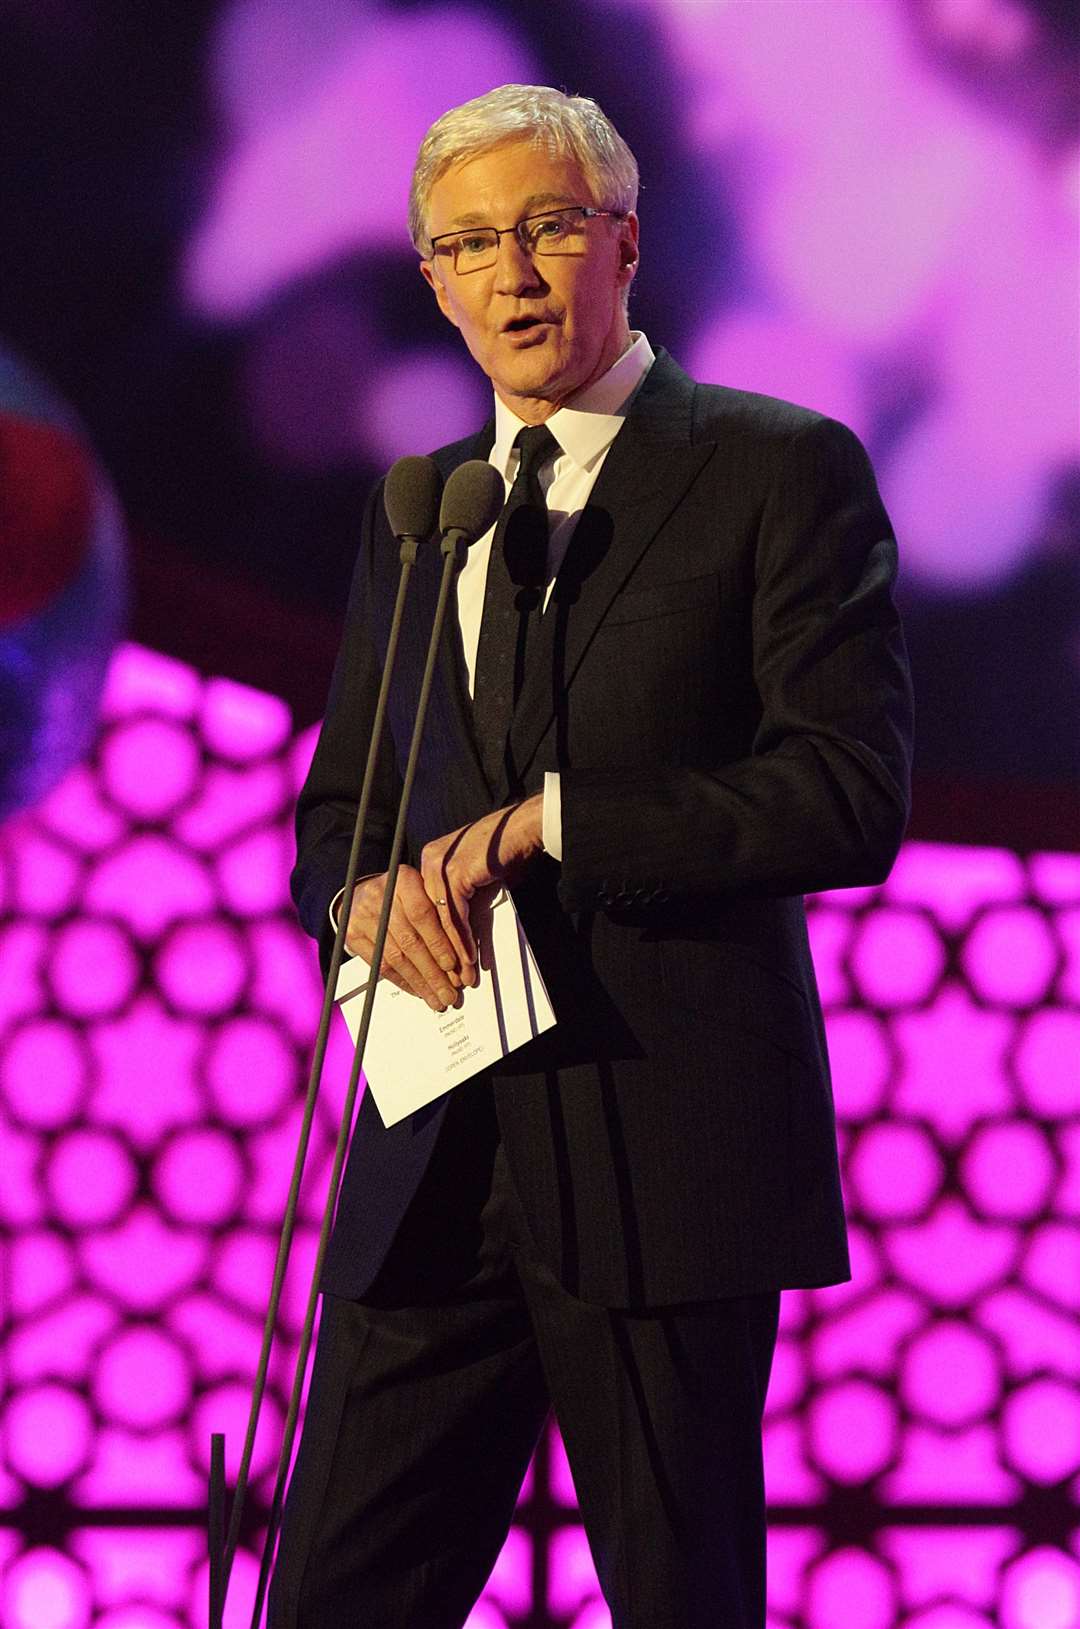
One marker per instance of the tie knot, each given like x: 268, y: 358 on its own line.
x: 534, y: 444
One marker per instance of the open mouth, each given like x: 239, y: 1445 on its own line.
x: 522, y: 325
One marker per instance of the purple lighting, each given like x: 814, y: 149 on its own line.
x: 888, y: 215
x: 853, y: 1589
x: 1042, y: 1430
x: 44, y: 1074
x: 142, y: 1380
x: 1042, y: 1591
x: 92, y: 968
x: 896, y: 1170
x: 853, y: 1430
x: 90, y: 1178
x: 155, y: 1017
x: 782, y: 358
x: 49, y: 1430
x: 1009, y: 1170
x: 125, y: 755
x: 202, y: 968
x: 199, y: 1177
x: 887, y: 221
x: 44, y: 1590
x: 950, y: 1375
x: 393, y: 411
x: 289, y: 195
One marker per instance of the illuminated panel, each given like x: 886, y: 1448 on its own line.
x: 156, y: 1009
x: 882, y: 218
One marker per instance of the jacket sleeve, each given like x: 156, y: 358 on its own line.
x: 326, y: 809
x: 822, y: 798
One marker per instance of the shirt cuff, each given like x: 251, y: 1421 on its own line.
x: 551, y: 816
x: 335, y: 906
x: 335, y: 903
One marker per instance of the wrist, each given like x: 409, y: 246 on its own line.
x: 528, y: 819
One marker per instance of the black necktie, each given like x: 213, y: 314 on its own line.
x: 513, y: 601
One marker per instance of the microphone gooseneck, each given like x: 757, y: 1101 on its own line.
x: 411, y: 497
x: 471, y: 501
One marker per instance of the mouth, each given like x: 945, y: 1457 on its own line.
x: 527, y: 324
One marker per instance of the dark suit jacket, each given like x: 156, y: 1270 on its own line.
x: 721, y: 683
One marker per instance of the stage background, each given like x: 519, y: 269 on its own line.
x: 866, y: 205
x: 158, y: 1000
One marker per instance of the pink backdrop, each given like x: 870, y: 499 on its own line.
x: 156, y: 1004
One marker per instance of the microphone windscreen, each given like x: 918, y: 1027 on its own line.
x: 473, y: 497
x: 411, y: 496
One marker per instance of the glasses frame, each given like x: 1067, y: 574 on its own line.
x: 587, y: 212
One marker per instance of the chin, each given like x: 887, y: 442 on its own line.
x: 536, y: 372
x: 541, y: 386
x: 540, y: 382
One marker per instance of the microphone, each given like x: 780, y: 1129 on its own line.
x: 411, y: 498
x: 471, y: 501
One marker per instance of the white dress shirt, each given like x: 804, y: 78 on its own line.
x: 584, y: 428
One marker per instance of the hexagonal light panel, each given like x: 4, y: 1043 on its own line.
x: 156, y: 1009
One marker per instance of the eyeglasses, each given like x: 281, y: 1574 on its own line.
x: 555, y: 232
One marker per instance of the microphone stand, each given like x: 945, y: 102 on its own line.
x: 454, y: 541
x: 222, y: 1555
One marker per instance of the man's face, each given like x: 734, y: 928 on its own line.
x: 540, y: 326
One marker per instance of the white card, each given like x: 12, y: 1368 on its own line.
x: 414, y: 1055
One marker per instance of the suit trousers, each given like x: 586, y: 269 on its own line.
x: 427, y: 1400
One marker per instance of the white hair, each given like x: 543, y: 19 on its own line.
x: 565, y: 126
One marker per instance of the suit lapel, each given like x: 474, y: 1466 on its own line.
x: 651, y: 465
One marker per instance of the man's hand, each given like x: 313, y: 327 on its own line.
x: 430, y: 949
x: 418, y: 955
x: 493, y: 849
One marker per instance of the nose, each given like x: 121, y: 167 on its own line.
x: 515, y: 269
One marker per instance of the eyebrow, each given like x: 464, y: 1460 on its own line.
x: 536, y: 200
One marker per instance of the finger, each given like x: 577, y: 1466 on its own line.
x: 457, y: 898
x: 454, y: 930
x: 398, y: 970
x: 455, y: 911
x: 415, y: 914
x: 360, y: 943
x: 426, y: 920
x: 403, y: 976
x: 412, y: 960
x: 453, y: 915
x: 397, y: 966
x: 387, y: 972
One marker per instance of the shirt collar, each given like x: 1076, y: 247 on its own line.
x: 586, y: 425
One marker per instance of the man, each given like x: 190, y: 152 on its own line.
x: 692, y: 710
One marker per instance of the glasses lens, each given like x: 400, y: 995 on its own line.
x: 560, y: 233
x: 473, y: 251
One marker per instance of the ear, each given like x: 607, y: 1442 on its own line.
x: 434, y: 282
x: 628, y: 249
